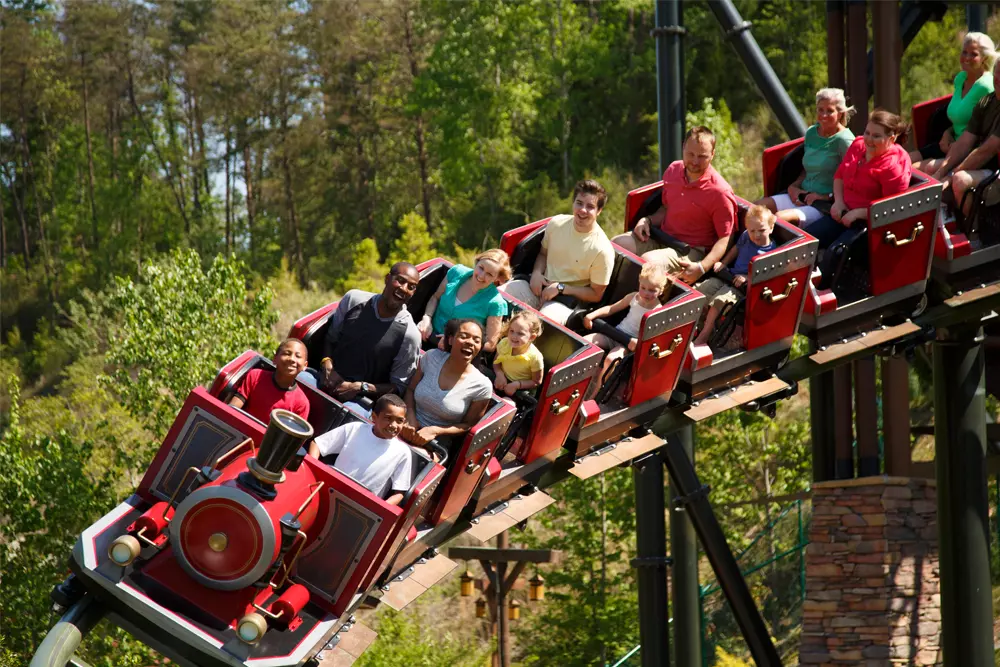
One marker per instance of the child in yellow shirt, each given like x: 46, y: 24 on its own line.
x: 518, y: 364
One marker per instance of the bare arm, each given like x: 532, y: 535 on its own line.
x: 237, y: 401
x: 394, y: 499
x: 424, y: 325
x: 957, y: 154
x: 494, y: 326
x: 472, y: 416
x: 588, y: 293
x: 729, y: 257
x: 411, y: 403
x: 715, y: 254
x: 313, y: 449
x: 980, y: 156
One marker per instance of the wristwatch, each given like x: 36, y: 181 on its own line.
x: 560, y: 287
x: 367, y: 388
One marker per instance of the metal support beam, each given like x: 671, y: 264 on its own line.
x: 960, y: 457
x: 651, y: 560
x: 835, y: 15
x: 857, y: 63
x: 866, y: 413
x: 843, y: 424
x: 684, y: 550
x: 975, y: 17
x: 694, y: 498
x: 669, y: 81
x: 821, y: 423
x: 888, y: 54
x: 503, y: 626
x: 896, y: 415
x: 738, y: 30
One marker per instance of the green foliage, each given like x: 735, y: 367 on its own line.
x: 728, y: 141
x: 179, y: 324
x: 414, y: 244
x: 367, y: 272
x: 405, y: 641
x: 589, y: 614
x: 50, y: 491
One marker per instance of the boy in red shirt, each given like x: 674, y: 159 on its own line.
x: 262, y: 391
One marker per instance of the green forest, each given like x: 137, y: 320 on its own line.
x: 181, y: 180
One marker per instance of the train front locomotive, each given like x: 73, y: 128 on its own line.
x: 207, y: 575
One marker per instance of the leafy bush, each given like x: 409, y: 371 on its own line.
x: 179, y: 323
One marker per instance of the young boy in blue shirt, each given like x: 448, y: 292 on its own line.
x: 755, y: 240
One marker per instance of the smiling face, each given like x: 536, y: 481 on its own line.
x: 467, y: 342
x: 485, y: 274
x: 972, y: 61
x: 877, y: 140
x: 389, y: 422
x: 759, y: 231
x: 289, y: 361
x: 698, y: 154
x: 400, y: 286
x: 585, y: 210
x: 828, y: 116
x: 519, y: 334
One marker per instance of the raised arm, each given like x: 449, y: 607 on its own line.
x: 424, y: 326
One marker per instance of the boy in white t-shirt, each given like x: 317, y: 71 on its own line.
x: 371, y: 454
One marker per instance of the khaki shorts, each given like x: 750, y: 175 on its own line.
x: 668, y: 258
x: 521, y: 290
x: 719, y: 293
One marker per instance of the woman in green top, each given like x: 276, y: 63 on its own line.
x: 469, y: 294
x: 809, y: 198
x: 972, y: 84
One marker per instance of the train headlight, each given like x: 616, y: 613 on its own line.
x: 124, y: 550
x: 251, y: 628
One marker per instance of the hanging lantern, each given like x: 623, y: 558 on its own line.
x: 480, y: 608
x: 536, y: 591
x: 467, y: 580
x: 514, y: 610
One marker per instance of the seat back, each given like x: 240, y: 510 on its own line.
x: 781, y: 165
x: 570, y: 364
x: 928, y: 125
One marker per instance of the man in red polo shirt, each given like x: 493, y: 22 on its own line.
x: 699, y: 209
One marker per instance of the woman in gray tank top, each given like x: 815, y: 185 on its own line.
x: 448, y: 395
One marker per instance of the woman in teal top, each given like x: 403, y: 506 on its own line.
x: 809, y: 198
x: 470, y: 294
x: 972, y: 84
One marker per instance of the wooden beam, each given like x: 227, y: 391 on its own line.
x: 512, y: 577
x: 483, y: 554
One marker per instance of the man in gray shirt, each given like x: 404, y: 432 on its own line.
x: 372, y: 343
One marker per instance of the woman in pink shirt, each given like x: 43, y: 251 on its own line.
x: 875, y: 166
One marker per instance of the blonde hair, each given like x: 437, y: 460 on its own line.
x: 762, y: 213
x: 986, y: 46
x: 501, y: 259
x: 836, y: 95
x: 533, y: 321
x: 654, y: 273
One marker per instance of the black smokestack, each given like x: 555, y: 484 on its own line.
x: 285, y: 434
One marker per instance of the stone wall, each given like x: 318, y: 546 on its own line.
x: 872, y: 588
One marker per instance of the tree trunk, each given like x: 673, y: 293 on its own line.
x: 95, y: 232
x: 229, y: 210
x: 248, y: 181
x: 425, y: 185
x: 174, y: 149
x: 178, y: 196
x: 293, y: 223
x: 19, y: 209
x: 3, y: 237
x: 192, y: 157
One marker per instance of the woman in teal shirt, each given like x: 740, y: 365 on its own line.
x: 809, y: 198
x: 470, y: 294
x: 972, y: 84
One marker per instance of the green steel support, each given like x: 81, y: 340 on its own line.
x: 651, y: 560
x: 684, y: 549
x: 963, y: 523
x: 821, y: 421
